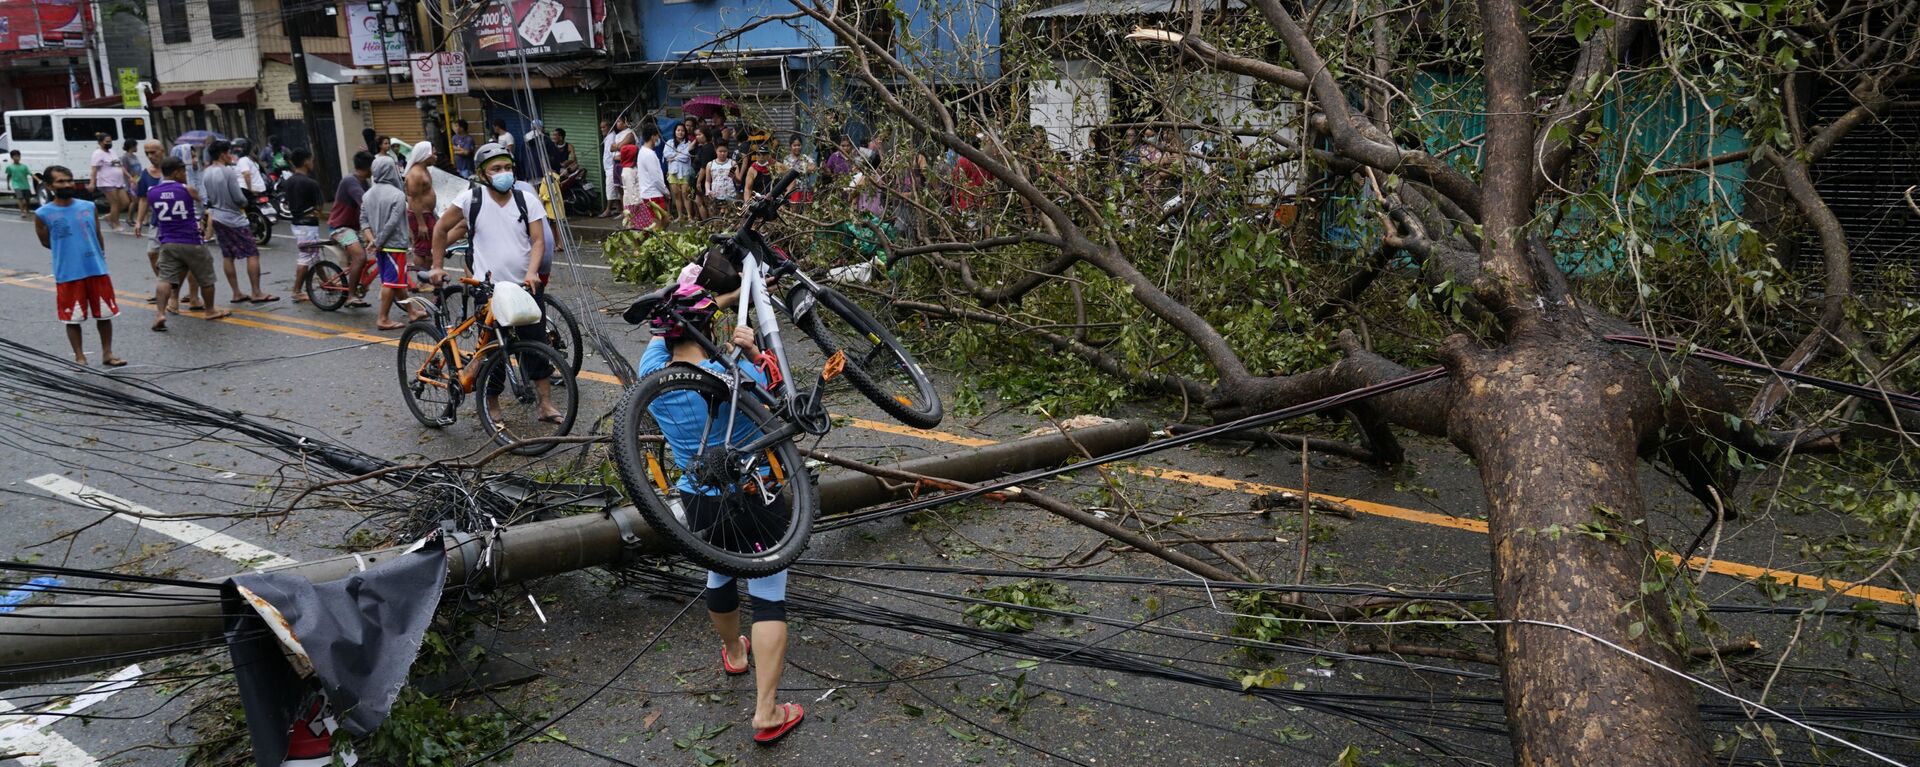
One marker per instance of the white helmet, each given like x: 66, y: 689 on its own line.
x: 487, y: 152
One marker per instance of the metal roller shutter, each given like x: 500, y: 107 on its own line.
x: 1864, y: 181
x: 764, y: 100
x: 398, y: 119
x: 578, y: 114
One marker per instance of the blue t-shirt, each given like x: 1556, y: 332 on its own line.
x: 147, y: 183
x: 683, y: 415
x: 76, y: 246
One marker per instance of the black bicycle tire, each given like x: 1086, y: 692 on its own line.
x: 828, y: 299
x: 406, y: 376
x: 629, y: 458
x: 498, y: 357
x: 317, y: 277
x: 575, y: 355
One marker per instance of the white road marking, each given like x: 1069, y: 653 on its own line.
x: 26, y: 735
x: 240, y: 551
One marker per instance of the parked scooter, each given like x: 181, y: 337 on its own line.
x: 582, y: 198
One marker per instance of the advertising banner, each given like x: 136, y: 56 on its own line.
x: 370, y: 48
x: 29, y: 25
x: 536, y: 28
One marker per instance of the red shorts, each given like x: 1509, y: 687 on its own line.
x: 90, y: 298
x: 393, y: 268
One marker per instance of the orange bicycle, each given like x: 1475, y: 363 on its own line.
x: 527, y: 390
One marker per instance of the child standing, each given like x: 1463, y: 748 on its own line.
x: 719, y: 180
x: 69, y: 228
x: 20, y: 180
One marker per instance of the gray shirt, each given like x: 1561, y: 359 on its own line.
x: 226, y: 198
x: 383, y: 210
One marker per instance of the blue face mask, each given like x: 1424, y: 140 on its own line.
x: 502, y: 181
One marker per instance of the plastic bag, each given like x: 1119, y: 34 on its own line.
x: 513, y: 306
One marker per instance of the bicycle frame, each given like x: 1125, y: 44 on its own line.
x: 490, y: 337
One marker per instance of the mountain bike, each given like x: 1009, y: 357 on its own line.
x: 436, y: 374
x: 745, y: 456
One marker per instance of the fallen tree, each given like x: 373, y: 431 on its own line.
x: 1555, y: 418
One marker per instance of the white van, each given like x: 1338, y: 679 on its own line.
x: 69, y: 136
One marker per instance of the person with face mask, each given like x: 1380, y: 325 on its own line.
x: 383, y: 225
x: 507, y: 239
x: 70, y: 228
x: 110, y: 178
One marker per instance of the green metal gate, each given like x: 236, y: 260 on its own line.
x: 578, y: 114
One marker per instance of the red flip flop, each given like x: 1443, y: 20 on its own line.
x: 767, y: 736
x: 746, y: 648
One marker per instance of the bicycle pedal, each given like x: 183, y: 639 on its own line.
x: 835, y: 365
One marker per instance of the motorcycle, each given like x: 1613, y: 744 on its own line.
x: 581, y: 197
x: 261, y: 216
x: 277, y: 194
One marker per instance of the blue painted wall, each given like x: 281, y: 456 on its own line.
x: 961, y: 37
x: 669, y: 30
x: 958, y: 38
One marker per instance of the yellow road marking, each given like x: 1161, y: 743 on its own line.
x: 1718, y: 567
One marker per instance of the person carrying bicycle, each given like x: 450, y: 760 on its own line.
x: 683, y: 417
x: 507, y: 238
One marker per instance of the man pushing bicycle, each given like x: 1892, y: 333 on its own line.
x: 508, y: 240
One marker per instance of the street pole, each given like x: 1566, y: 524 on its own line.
x: 61, y: 641
x: 303, y: 90
x: 98, y: 52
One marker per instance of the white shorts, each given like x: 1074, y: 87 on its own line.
x: 307, y: 239
x: 613, y: 180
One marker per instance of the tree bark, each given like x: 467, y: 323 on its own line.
x: 1552, y: 420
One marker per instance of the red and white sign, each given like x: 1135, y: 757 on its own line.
x: 426, y: 75
x: 34, y: 24
x: 436, y: 74
x: 453, y: 73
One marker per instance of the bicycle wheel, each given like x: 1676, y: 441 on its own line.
x: 877, y: 365
x: 738, y: 532
x: 510, y: 387
x: 429, y: 380
x: 327, y: 286
x: 562, y: 330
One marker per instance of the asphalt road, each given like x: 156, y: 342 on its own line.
x: 878, y: 695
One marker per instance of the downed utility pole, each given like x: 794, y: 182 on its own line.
x: 42, y: 644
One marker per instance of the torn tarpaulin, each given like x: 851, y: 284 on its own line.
x: 356, y: 637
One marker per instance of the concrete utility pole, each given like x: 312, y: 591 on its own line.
x: 43, y: 644
x: 303, y: 89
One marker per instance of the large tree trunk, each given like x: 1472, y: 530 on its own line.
x: 1553, y: 419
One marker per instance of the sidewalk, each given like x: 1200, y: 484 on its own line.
x: 593, y: 230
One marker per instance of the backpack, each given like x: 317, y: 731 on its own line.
x: 473, y: 208
x: 520, y: 201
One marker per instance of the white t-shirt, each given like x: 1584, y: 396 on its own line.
x: 500, y: 241
x: 258, y: 181
x: 652, y: 182
x: 505, y: 140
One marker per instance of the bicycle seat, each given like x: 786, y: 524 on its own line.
x: 648, y: 303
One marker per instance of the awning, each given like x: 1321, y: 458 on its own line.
x: 1121, y: 8
x: 175, y: 99
x: 110, y: 100
x: 242, y: 95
